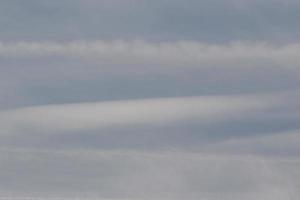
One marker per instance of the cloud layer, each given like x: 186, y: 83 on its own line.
x: 172, y: 54
x: 124, y: 113
x: 142, y: 175
x: 162, y: 20
x: 148, y: 120
x: 160, y: 99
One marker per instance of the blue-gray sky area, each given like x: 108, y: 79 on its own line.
x: 142, y: 100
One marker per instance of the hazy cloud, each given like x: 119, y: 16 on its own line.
x: 182, y: 53
x: 142, y: 175
x: 136, y: 112
x: 140, y: 99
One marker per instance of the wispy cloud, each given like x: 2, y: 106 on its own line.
x: 84, y: 116
x: 280, y: 144
x: 181, y: 53
x: 144, y: 175
x: 142, y: 100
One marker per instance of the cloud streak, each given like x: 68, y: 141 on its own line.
x: 142, y: 100
x: 280, y: 144
x: 84, y: 116
x: 187, y: 53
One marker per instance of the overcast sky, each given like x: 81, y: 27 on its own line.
x: 150, y: 99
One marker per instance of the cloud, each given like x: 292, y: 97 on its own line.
x: 182, y: 53
x: 225, y: 123
x: 146, y: 175
x: 37, y: 73
x: 88, y: 116
x: 160, y: 99
x: 212, y: 21
x: 277, y: 143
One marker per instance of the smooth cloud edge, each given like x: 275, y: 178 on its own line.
x: 84, y: 116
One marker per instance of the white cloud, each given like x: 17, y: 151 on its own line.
x: 84, y: 116
x: 182, y: 53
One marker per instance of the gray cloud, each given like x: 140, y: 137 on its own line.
x: 142, y: 175
x: 160, y: 99
x: 190, y: 123
x: 40, y: 73
x: 94, y: 115
x: 282, y: 143
x: 213, y: 21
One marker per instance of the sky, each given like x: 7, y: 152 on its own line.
x: 150, y: 100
